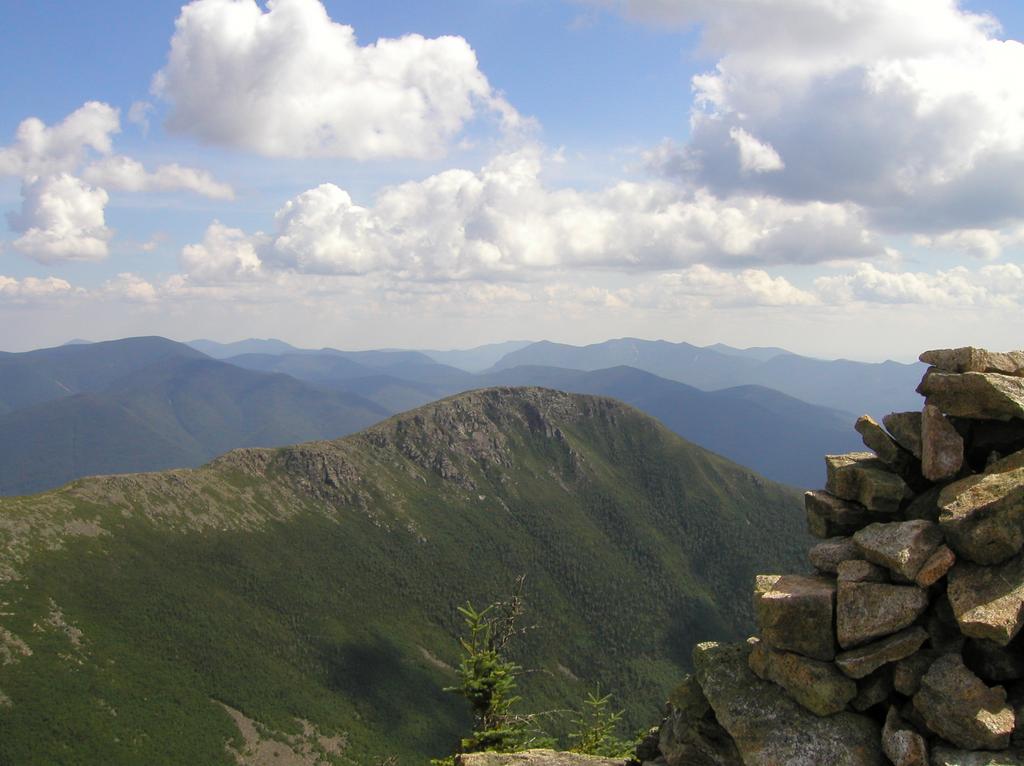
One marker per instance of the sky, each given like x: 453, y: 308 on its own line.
x: 843, y: 178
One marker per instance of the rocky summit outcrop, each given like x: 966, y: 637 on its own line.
x: 535, y: 758
x: 902, y: 643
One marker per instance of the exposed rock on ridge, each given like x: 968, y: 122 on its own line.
x: 903, y: 647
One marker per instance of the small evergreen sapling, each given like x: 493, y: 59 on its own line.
x: 487, y: 678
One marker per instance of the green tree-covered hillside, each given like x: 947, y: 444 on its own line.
x: 304, y: 599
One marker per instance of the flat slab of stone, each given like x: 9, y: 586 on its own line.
x: 868, y: 610
x: 982, y: 516
x: 936, y: 567
x: 977, y: 395
x: 816, y: 685
x: 942, y: 447
x: 988, y: 601
x: 960, y: 708
x: 945, y: 756
x: 862, y: 478
x: 905, y: 428
x: 826, y: 556
x: 901, y: 546
x: 536, y: 758
x: 829, y: 516
x: 876, y: 439
x: 795, y: 612
x: 864, y: 660
x: 768, y: 727
x: 970, y: 359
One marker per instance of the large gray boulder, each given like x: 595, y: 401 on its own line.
x: 689, y: 735
x: 864, y: 660
x: 942, y: 447
x: 982, y: 516
x: 959, y: 707
x: 979, y: 395
x: 901, y: 546
x: 816, y: 685
x: 768, y: 727
x: 827, y: 555
x: 869, y: 610
x: 947, y: 756
x: 988, y: 602
x: 795, y: 613
x: 905, y: 428
x: 970, y: 359
x: 902, y: 744
x: 829, y: 516
x: 863, y: 478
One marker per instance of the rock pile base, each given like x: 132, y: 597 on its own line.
x: 901, y: 644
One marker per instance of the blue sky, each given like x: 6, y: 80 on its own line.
x: 842, y: 182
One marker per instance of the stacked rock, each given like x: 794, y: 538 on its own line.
x: 902, y: 645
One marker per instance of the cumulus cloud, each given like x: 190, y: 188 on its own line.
x: 910, y: 108
x: 130, y: 287
x: 999, y: 286
x: 749, y: 287
x: 62, y: 216
x: 32, y: 288
x: 984, y: 244
x: 505, y: 222
x: 39, y: 149
x: 122, y: 173
x: 290, y: 82
x: 61, y: 219
x: 755, y: 156
x: 225, y: 254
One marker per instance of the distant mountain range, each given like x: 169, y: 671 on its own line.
x: 471, y: 360
x: 145, y: 404
x: 307, y: 595
x: 150, y: 403
x: 860, y: 387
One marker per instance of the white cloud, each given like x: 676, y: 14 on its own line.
x: 39, y: 149
x: 749, y: 287
x: 122, y: 173
x: 130, y: 287
x: 505, y: 222
x: 909, y: 108
x: 225, y: 254
x: 984, y: 244
x: 33, y: 287
x: 290, y: 82
x: 998, y: 286
x: 755, y: 156
x: 61, y: 219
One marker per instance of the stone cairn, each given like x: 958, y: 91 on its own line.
x: 902, y: 645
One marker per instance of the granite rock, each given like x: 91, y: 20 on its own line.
x: 988, y: 601
x: 867, y: 610
x: 959, y: 707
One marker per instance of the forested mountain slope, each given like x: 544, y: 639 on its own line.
x: 312, y: 589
